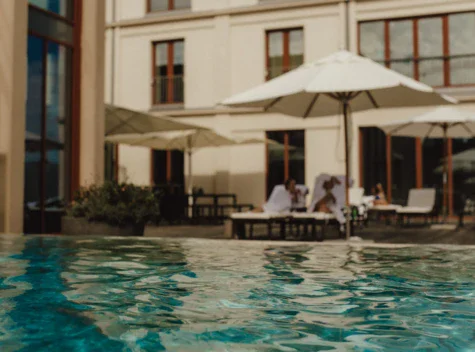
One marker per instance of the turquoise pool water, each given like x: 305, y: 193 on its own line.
x: 79, y: 294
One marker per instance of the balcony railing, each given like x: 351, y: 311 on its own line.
x: 168, y: 90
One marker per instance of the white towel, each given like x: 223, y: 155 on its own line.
x: 301, y: 198
x: 338, y: 192
x: 279, y: 201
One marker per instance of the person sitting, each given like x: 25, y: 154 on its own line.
x: 281, y: 198
x: 379, y: 195
x: 329, y: 195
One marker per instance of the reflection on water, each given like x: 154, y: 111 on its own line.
x: 83, y: 294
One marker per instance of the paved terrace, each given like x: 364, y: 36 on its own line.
x: 375, y: 232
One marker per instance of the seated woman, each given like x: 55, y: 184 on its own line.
x: 379, y: 195
x: 281, y: 199
x: 330, y: 201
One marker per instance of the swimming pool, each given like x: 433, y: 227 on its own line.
x: 106, y: 294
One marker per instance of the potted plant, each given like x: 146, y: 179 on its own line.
x: 114, y: 209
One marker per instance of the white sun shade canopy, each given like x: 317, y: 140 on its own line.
x: 121, y: 120
x: 456, y: 122
x: 312, y: 89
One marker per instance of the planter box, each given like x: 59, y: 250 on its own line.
x: 79, y: 227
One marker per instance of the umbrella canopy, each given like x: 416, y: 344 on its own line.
x: 187, y: 141
x: 123, y: 121
x: 331, y: 85
x: 442, y: 122
x: 318, y: 88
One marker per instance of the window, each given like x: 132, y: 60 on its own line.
x: 168, y: 5
x: 168, y: 168
x: 286, y: 159
x: 284, y: 51
x: 63, y: 8
x: 168, y: 72
x: 373, y: 144
x: 51, y: 114
x: 436, y: 50
x: 416, y: 164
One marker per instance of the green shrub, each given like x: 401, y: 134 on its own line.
x: 117, y: 204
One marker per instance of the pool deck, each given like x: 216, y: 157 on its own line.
x: 374, y: 233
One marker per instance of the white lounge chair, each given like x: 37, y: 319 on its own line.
x: 276, y: 210
x: 315, y: 219
x: 420, y: 203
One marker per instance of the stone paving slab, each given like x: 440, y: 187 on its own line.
x: 375, y: 233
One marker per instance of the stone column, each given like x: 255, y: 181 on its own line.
x: 13, y: 69
x: 92, y: 93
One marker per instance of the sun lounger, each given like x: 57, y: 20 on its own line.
x: 276, y: 211
x: 313, y: 220
x: 421, y: 203
x: 319, y: 219
x: 240, y: 220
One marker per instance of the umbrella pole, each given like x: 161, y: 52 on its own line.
x: 347, y: 169
x: 445, y: 201
x: 190, y: 186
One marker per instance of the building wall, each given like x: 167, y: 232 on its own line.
x: 224, y: 55
x: 13, y: 40
x: 12, y: 104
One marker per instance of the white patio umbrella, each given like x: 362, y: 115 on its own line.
x: 333, y: 85
x: 187, y: 141
x: 120, y: 120
x: 442, y: 122
x: 463, y: 161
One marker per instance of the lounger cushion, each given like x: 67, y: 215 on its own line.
x: 421, y: 198
x: 387, y: 207
x: 257, y: 216
x: 414, y: 210
x: 313, y: 216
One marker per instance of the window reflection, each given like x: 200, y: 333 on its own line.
x: 284, y: 51
x: 463, y: 166
x: 47, y: 141
x: 462, y: 46
x: 34, y: 113
x: 403, y: 168
x: 169, y: 72
x: 165, y: 5
x: 431, y: 66
x: 64, y: 8
x: 374, y: 160
x: 428, y: 34
x: 58, y: 119
x: 432, y: 157
x: 286, y: 159
x: 372, y: 40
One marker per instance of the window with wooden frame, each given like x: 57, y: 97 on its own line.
x: 167, y: 5
x: 284, y: 51
x: 437, y: 50
x: 168, y: 72
x: 285, y: 159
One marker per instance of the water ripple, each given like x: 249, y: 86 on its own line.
x: 150, y: 295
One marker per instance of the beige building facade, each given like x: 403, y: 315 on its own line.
x: 181, y: 58
x: 51, y: 108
